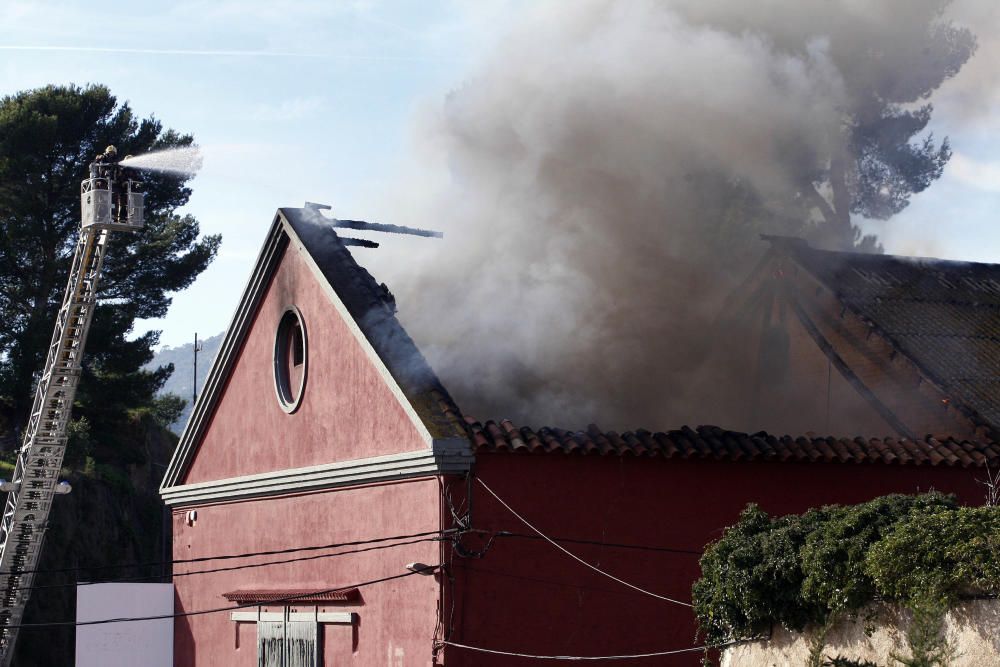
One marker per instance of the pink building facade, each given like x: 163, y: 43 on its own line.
x: 348, y: 494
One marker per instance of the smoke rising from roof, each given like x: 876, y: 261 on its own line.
x: 602, y: 180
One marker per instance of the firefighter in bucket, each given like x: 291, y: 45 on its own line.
x: 106, y: 167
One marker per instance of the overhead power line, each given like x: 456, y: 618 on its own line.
x: 574, y: 556
x: 379, y: 542
x: 613, y: 545
x: 248, y: 554
x: 245, y: 566
x: 201, y: 612
x: 633, y: 656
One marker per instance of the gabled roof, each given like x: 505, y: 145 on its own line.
x: 369, y: 309
x: 942, y: 315
x: 716, y: 444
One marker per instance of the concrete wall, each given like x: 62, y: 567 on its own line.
x: 525, y: 596
x: 397, y: 618
x: 347, y: 410
x: 972, y: 629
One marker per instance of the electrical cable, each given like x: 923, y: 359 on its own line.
x: 574, y: 556
x: 250, y: 554
x: 570, y: 540
x: 464, y: 567
x: 200, y: 612
x: 231, y: 568
x: 634, y: 656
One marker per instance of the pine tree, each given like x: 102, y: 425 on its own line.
x: 48, y: 137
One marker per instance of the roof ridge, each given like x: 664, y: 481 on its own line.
x: 373, y: 308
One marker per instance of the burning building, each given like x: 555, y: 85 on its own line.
x: 882, y: 344
x: 365, y: 519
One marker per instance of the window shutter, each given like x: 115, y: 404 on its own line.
x: 301, y: 649
x: 270, y: 643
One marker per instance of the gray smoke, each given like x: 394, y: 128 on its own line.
x: 602, y: 180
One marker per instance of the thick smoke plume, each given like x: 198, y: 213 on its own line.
x: 602, y: 181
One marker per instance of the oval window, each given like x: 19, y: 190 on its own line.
x: 290, y: 359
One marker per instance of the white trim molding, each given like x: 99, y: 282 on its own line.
x: 342, y: 617
x: 441, y: 460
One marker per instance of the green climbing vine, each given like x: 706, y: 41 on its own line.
x: 923, y: 552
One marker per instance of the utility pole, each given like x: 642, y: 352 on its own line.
x: 194, y: 384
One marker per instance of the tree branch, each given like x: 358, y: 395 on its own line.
x: 819, y: 202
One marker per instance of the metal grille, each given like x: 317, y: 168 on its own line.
x: 270, y: 643
x: 300, y: 644
x: 287, y: 643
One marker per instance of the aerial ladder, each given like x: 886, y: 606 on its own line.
x: 110, y: 200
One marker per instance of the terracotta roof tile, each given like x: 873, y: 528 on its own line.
x: 964, y: 457
x: 770, y: 446
x: 714, y: 443
x: 840, y: 447
x: 730, y: 447
x: 826, y: 450
x: 857, y: 448
x: 300, y: 595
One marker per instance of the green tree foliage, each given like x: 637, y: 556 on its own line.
x: 753, y: 576
x: 840, y: 661
x: 167, y: 409
x: 48, y: 137
x: 833, y: 557
x: 943, y: 554
x: 880, y: 156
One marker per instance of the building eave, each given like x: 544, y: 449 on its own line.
x: 379, y: 469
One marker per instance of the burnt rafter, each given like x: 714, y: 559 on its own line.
x: 362, y: 225
x: 937, y: 316
x: 390, y: 229
x: 845, y: 370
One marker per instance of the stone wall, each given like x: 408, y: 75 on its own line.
x: 972, y: 630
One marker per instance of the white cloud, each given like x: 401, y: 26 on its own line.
x: 979, y: 174
x: 287, y: 110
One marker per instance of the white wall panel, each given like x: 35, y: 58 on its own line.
x: 147, y: 643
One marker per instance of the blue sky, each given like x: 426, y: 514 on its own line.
x: 316, y: 104
x: 296, y: 101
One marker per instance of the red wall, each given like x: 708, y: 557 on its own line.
x: 525, y: 596
x: 397, y: 618
x: 347, y: 410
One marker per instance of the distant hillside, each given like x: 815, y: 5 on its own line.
x: 182, y: 357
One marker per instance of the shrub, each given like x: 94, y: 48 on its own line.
x: 833, y: 557
x: 923, y: 552
x: 752, y: 577
x: 942, y: 554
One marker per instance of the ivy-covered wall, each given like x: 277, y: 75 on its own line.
x: 922, y: 553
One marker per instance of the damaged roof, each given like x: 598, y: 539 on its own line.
x: 370, y: 305
x: 713, y: 443
x: 373, y: 307
x: 942, y: 315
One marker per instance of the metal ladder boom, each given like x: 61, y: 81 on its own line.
x: 36, y: 473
